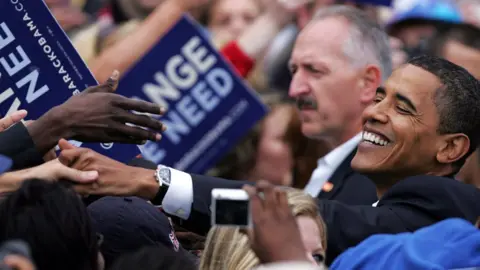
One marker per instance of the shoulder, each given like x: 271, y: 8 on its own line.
x: 439, y: 196
x: 432, y: 184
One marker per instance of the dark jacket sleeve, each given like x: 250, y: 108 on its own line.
x: 411, y: 204
x: 17, y: 144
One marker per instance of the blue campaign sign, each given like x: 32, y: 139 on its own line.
x: 209, y: 108
x: 40, y: 68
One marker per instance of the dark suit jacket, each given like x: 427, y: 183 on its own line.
x: 349, y: 186
x: 17, y: 144
x: 411, y: 204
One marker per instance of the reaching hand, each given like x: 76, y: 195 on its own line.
x: 12, y: 119
x: 54, y: 171
x: 99, y: 115
x: 114, y: 179
x: 275, y: 236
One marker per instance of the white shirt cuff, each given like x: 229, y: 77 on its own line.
x: 179, y: 197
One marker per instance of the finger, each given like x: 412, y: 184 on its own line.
x: 251, y: 190
x: 281, y: 202
x: 108, y: 87
x: 12, y: 119
x: 134, y: 133
x: 77, y: 176
x: 18, y: 262
x: 139, y: 106
x: 112, y: 82
x: 268, y: 191
x: 70, y: 156
x: 141, y: 121
x: 65, y: 145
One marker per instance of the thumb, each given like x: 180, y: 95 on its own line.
x: 112, y: 82
x: 77, y: 176
x: 108, y: 87
x: 12, y: 119
x: 65, y: 145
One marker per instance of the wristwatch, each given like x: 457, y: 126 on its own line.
x: 163, y: 176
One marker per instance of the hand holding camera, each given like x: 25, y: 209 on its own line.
x: 264, y: 211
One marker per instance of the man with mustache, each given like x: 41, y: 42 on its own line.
x: 332, y: 86
x: 416, y: 136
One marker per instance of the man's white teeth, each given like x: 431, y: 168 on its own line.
x: 373, y: 138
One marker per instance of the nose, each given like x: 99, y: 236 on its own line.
x: 298, y: 86
x: 375, y: 113
x: 237, y: 26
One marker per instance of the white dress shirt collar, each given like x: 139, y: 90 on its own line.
x: 335, y: 157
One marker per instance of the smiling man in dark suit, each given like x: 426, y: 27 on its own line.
x: 417, y: 135
x: 332, y: 86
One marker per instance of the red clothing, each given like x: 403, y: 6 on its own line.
x: 240, y: 61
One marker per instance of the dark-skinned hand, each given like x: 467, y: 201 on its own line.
x: 98, y: 115
x: 114, y: 178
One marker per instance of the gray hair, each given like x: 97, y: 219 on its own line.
x: 368, y: 43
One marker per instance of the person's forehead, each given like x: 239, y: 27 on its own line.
x: 464, y: 56
x: 325, y: 37
x: 414, y: 82
x: 310, y: 232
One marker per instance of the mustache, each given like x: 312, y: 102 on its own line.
x: 306, y: 103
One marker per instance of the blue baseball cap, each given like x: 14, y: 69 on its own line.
x: 444, y: 11
x: 5, y: 164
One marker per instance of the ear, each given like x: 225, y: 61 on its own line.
x: 369, y: 82
x: 453, y: 147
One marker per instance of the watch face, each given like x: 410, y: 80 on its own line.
x: 165, y: 175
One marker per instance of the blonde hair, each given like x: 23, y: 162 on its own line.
x: 229, y: 249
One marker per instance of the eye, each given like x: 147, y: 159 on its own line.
x: 319, y: 258
x: 293, y: 69
x: 377, y: 99
x: 402, y: 110
x: 312, y: 69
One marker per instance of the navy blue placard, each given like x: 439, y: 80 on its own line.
x: 209, y: 106
x: 40, y: 68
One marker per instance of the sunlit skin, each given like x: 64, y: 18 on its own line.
x: 404, y: 115
x: 322, y: 73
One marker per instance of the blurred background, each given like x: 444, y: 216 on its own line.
x: 114, y: 34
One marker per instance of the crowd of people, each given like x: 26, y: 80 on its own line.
x: 367, y: 159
